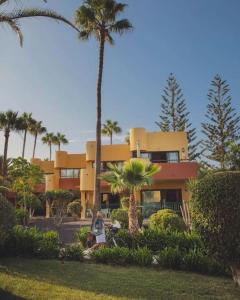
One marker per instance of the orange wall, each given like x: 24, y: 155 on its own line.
x: 115, y: 152
x: 69, y: 161
x: 159, y: 141
x: 46, y: 166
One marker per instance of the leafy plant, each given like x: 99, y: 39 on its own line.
x: 74, y: 208
x: 22, y: 216
x: 81, y: 235
x: 215, y: 211
x: 72, y: 252
x: 166, y: 219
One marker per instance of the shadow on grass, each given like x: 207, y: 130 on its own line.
x: 134, y: 283
x: 5, y: 295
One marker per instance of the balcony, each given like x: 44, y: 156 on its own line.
x: 177, y: 171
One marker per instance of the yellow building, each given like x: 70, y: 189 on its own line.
x: 169, y: 189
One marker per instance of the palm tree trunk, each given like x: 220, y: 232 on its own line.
x: 111, y: 136
x: 133, y: 225
x: 96, y: 200
x: 59, y: 147
x: 34, y: 146
x: 6, y: 135
x: 24, y: 143
x: 50, y: 151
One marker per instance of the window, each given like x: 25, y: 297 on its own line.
x: 160, y: 156
x: 154, y: 200
x: 70, y: 173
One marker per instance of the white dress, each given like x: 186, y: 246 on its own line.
x: 101, y: 238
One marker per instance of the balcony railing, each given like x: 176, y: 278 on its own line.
x: 151, y: 208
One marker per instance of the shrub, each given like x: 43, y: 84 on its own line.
x: 121, y: 215
x: 196, y: 261
x: 72, y: 252
x: 29, y: 242
x: 7, y: 221
x: 81, y: 235
x: 74, y: 209
x: 166, y: 219
x: 22, y: 216
x: 215, y: 212
x: 123, y: 256
x: 170, y: 258
x: 142, y: 257
x: 7, y: 214
x: 157, y: 240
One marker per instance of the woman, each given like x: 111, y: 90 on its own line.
x: 99, y: 230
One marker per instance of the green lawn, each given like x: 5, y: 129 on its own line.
x: 49, y: 279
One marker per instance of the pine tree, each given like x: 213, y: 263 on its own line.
x: 175, y: 116
x: 223, y: 123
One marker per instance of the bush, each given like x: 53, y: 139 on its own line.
x: 170, y: 258
x: 123, y: 256
x: 22, y: 216
x: 194, y: 260
x: 215, y: 213
x: 72, y: 252
x: 166, y: 219
x: 121, y: 215
x: 30, y: 242
x: 7, y: 221
x: 81, y: 235
x: 74, y: 209
x: 142, y: 257
x: 157, y: 240
x: 7, y: 214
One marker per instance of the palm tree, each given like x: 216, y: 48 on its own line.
x: 9, y: 121
x: 99, y: 19
x: 60, y: 139
x: 49, y: 140
x: 127, y: 138
x: 36, y: 129
x: 109, y: 128
x: 26, y: 121
x: 131, y: 177
x: 11, y: 17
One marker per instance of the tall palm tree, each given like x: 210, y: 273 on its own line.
x: 26, y: 121
x: 99, y: 18
x: 49, y: 140
x: 131, y: 177
x: 11, y: 17
x: 109, y: 128
x: 36, y: 129
x: 59, y: 139
x: 9, y: 121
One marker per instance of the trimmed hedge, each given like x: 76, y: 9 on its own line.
x: 30, y: 242
x: 121, y: 215
x: 166, y: 219
x: 123, y: 256
x: 216, y: 214
x: 157, y: 240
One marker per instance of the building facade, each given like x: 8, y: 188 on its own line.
x: 169, y: 188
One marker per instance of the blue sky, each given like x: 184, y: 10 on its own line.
x: 54, y: 74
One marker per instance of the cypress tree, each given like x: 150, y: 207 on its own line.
x: 222, y: 125
x: 175, y: 116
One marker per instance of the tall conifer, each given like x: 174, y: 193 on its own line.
x: 222, y: 122
x: 175, y: 116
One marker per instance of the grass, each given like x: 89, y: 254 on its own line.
x: 42, y: 279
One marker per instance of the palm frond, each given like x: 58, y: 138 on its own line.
x: 121, y: 26
x: 14, y: 26
x: 35, y: 12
